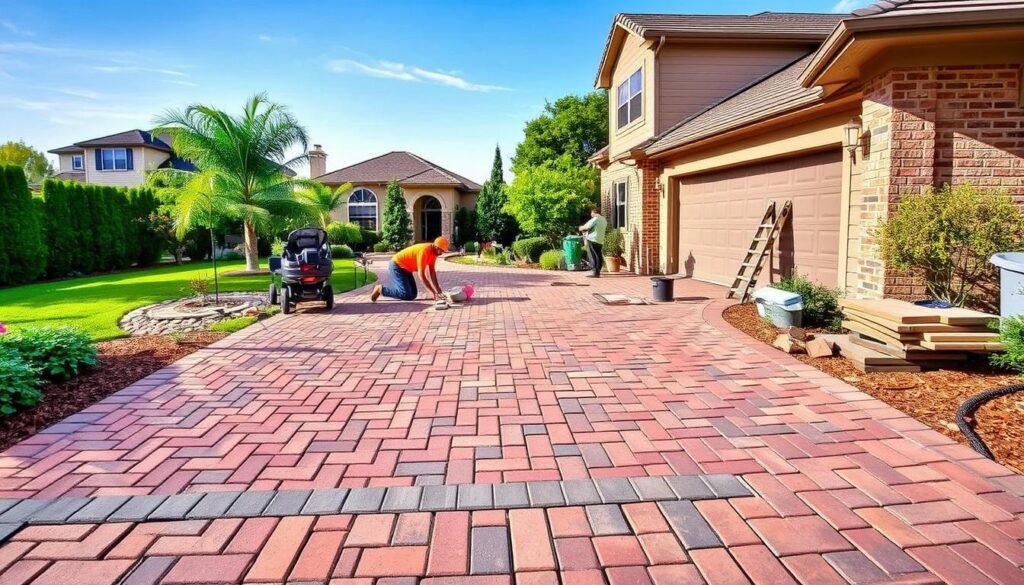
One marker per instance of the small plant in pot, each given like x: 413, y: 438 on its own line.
x: 612, y: 250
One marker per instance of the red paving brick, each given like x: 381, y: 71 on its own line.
x: 518, y: 385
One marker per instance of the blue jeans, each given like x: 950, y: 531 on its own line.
x: 403, y: 284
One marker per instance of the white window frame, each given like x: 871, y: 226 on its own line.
x: 620, y: 197
x: 78, y: 162
x: 364, y: 204
x: 624, y: 95
x: 114, y: 159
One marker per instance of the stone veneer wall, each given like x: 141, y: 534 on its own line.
x: 924, y: 127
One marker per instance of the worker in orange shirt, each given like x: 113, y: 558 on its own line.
x: 416, y: 259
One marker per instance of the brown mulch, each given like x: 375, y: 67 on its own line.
x: 122, y: 362
x: 931, y: 397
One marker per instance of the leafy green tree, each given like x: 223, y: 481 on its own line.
x: 493, y: 223
x: 322, y: 200
x: 465, y: 225
x: 397, y: 227
x: 576, y: 126
x: 21, y: 232
x: 552, y: 199
x: 243, y: 158
x: 949, y: 235
x: 32, y: 161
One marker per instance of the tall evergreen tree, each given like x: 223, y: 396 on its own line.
x: 21, y: 233
x: 492, y: 222
x: 397, y: 227
x: 59, y: 220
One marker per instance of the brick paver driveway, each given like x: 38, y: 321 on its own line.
x: 502, y: 431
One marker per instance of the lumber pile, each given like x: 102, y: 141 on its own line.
x: 914, y: 335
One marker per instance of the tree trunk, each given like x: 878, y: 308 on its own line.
x: 252, y: 255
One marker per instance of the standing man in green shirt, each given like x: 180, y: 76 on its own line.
x: 594, y: 230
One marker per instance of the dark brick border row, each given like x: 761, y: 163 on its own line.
x: 15, y: 513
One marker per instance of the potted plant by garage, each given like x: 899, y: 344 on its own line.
x: 613, y: 250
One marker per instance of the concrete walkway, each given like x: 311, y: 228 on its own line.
x: 531, y: 403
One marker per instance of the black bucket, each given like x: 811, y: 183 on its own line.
x: 661, y: 289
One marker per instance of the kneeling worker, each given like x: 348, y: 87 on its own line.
x: 418, y: 258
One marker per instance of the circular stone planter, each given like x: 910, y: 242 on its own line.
x: 173, y: 317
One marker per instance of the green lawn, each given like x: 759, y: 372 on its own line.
x: 97, y: 303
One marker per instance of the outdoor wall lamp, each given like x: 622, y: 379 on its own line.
x: 851, y: 136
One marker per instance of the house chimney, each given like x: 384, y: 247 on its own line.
x: 317, y: 162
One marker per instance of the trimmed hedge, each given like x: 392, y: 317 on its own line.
x: 93, y: 228
x: 530, y: 249
x: 22, y: 252
x: 341, y: 251
x: 551, y: 260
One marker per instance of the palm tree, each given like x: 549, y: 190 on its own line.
x: 244, y: 157
x: 322, y: 200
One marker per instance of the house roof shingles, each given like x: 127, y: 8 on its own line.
x: 404, y: 167
x: 129, y: 138
x: 773, y: 94
x: 764, y: 24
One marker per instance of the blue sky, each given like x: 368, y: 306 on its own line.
x: 446, y: 80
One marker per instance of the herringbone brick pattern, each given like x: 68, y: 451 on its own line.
x: 528, y: 382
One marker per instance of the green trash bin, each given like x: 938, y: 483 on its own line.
x: 572, y: 250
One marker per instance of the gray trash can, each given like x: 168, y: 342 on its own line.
x: 782, y: 308
x: 1011, y: 282
x: 661, y: 289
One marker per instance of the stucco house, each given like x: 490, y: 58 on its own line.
x: 433, y: 194
x: 120, y: 159
x: 712, y: 117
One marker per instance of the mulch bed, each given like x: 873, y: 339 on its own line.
x: 122, y: 362
x: 931, y: 397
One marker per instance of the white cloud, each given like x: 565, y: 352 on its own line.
x: 180, y: 82
x: 137, y: 69
x: 77, y: 112
x: 16, y: 29
x: 846, y: 6
x: 82, y: 93
x: 401, y: 72
x: 276, y: 40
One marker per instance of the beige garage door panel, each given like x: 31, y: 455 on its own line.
x: 719, y: 211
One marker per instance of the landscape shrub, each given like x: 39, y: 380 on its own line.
x: 348, y: 234
x: 1011, y: 334
x: 369, y: 238
x: 380, y: 247
x: 232, y: 325
x: 342, y: 251
x: 530, y: 249
x: 19, y: 382
x: 821, y: 303
x: 56, y: 353
x: 490, y: 251
x: 22, y: 252
x: 93, y: 227
x: 551, y: 260
x: 465, y: 225
x: 396, y: 230
x: 470, y: 247
x: 277, y: 248
x: 949, y: 235
x: 613, y: 246
x: 505, y: 257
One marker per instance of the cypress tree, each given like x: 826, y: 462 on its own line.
x: 22, y: 231
x: 60, y: 228
x: 80, y: 206
x: 397, y: 230
x: 120, y: 239
x: 492, y: 222
x: 5, y: 220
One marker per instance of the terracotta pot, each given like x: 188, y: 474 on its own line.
x: 612, y: 263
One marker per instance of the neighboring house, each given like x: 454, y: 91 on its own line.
x: 712, y: 117
x: 432, y: 194
x: 119, y: 159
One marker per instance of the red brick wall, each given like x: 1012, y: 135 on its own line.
x: 640, y: 237
x: 933, y: 125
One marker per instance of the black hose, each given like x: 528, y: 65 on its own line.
x: 972, y: 404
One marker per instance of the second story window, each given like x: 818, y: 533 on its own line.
x: 630, y: 98
x: 114, y: 159
x: 77, y: 162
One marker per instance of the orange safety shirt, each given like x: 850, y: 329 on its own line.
x: 415, y: 256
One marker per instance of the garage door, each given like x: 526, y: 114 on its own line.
x: 719, y: 211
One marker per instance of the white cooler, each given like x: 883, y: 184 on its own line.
x: 782, y: 308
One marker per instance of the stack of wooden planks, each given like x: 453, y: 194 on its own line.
x: 914, y: 334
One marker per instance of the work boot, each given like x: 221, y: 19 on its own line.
x: 377, y: 289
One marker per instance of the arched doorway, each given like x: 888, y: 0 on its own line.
x: 430, y: 218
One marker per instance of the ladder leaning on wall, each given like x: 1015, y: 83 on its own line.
x: 760, y: 250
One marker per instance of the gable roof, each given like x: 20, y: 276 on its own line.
x: 811, y: 28
x: 903, y: 7
x: 402, y: 166
x: 773, y: 94
x: 129, y: 138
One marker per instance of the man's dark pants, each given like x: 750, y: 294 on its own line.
x: 596, y: 260
x: 403, y: 284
